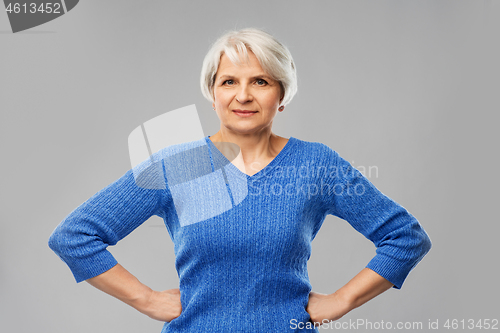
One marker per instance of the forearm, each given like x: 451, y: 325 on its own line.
x: 363, y: 287
x: 120, y: 283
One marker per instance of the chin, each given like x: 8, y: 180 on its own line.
x: 244, y: 129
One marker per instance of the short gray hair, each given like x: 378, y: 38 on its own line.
x: 273, y: 56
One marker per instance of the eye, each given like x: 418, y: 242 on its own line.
x: 261, y: 82
x: 228, y: 82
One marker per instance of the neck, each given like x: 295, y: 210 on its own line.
x: 254, y: 147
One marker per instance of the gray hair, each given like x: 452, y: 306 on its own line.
x: 273, y: 56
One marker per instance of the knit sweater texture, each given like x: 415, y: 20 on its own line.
x: 241, y: 242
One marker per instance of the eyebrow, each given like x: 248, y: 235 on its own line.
x: 263, y: 76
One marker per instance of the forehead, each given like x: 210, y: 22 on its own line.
x: 248, y: 66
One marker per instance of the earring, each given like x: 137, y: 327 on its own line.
x: 281, y: 108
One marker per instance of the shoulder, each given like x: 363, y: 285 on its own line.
x: 313, y: 148
x: 180, y: 148
x: 177, y: 157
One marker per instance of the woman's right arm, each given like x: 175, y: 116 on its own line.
x: 120, y: 283
x: 82, y: 238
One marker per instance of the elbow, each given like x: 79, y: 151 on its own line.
x: 54, y: 241
x: 421, y: 242
x: 425, y: 244
x: 57, y: 241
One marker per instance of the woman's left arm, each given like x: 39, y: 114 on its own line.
x: 400, y: 240
x: 363, y: 287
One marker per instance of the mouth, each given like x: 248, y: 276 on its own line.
x: 244, y: 113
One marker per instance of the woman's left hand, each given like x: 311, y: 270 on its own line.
x: 324, y: 308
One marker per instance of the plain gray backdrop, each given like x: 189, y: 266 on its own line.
x: 410, y: 87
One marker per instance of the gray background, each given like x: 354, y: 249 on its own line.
x: 407, y: 86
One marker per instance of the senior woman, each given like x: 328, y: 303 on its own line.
x: 242, y: 227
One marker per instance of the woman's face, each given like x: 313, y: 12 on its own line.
x: 246, y: 97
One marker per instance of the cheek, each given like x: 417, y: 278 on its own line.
x: 271, y: 100
x: 220, y: 97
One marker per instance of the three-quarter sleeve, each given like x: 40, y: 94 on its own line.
x: 82, y: 238
x: 400, y: 240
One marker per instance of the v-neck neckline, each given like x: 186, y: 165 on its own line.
x: 283, y: 152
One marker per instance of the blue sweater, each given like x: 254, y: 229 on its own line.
x: 241, y: 242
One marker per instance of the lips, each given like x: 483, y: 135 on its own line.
x: 244, y: 113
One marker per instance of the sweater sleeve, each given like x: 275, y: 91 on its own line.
x: 400, y: 240
x: 82, y: 238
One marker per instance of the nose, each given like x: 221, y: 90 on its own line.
x: 243, y: 95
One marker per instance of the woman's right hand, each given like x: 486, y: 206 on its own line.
x: 163, y: 305
x: 118, y: 282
